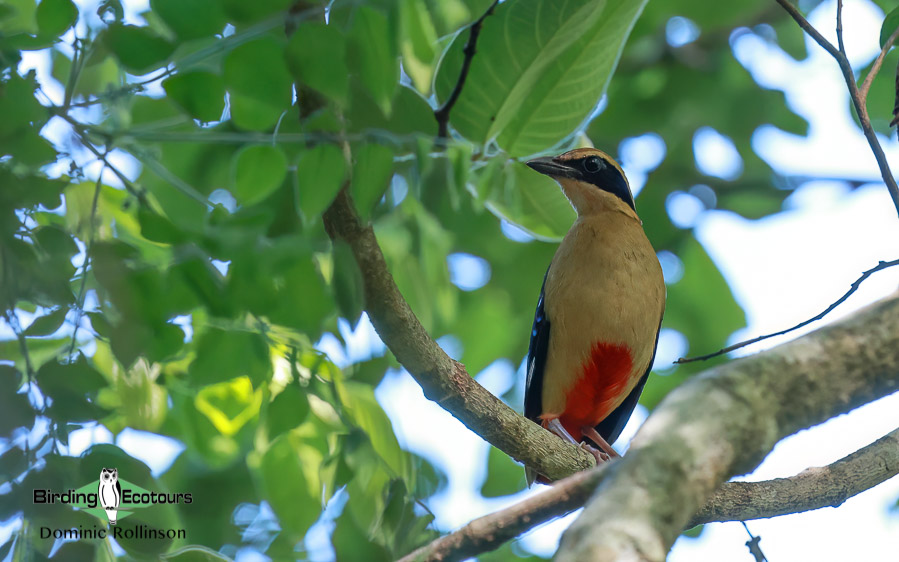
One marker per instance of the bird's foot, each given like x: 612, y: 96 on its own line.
x: 600, y: 456
x: 592, y: 434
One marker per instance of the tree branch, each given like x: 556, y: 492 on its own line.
x: 854, y: 287
x: 811, y: 489
x: 491, y: 531
x: 443, y: 112
x: 875, y: 68
x: 724, y: 422
x: 444, y: 380
x: 857, y: 100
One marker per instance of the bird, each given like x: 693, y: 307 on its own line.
x: 598, y: 317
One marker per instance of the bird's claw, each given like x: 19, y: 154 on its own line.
x: 600, y: 456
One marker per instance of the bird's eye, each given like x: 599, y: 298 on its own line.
x: 592, y: 164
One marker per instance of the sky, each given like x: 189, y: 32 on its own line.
x: 782, y: 269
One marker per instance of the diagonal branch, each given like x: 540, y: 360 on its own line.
x: 858, y: 101
x: 443, y: 112
x: 444, y: 380
x: 854, y: 287
x: 811, y: 489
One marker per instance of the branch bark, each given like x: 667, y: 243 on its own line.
x: 813, y: 488
x: 734, y: 501
x: 723, y: 422
x: 444, y: 380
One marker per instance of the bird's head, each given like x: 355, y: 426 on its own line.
x: 590, y: 178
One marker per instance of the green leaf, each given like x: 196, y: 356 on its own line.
x: 890, y: 23
x: 372, y: 169
x: 54, y: 17
x: 260, y: 85
x: 229, y: 405
x: 532, y: 201
x: 248, y: 12
x: 224, y: 355
x: 191, y: 19
x: 316, y: 55
x: 47, y: 324
x: 200, y: 94
x: 541, y: 68
x: 372, y: 55
x: 504, y: 476
x: 347, y: 282
x: 320, y: 173
x: 138, y: 49
x: 288, y: 475
x: 417, y: 43
x: 258, y: 171
x: 287, y: 410
x: 59, y: 380
x: 358, y: 400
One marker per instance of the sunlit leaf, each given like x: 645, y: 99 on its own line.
x: 541, y: 70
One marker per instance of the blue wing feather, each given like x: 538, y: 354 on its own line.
x: 537, y: 350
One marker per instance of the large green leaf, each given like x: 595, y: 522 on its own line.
x: 541, y: 68
x: 532, y: 201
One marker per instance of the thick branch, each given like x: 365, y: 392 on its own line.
x: 817, y: 360
x: 724, y: 422
x: 857, y: 100
x: 444, y: 380
x: 813, y: 488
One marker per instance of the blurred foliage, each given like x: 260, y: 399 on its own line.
x: 165, y: 267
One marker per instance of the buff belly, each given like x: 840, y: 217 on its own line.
x: 604, y: 313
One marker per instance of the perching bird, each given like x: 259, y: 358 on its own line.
x: 597, y: 321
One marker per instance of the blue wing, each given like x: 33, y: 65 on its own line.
x: 537, y: 350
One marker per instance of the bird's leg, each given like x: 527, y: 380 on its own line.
x: 555, y: 426
x: 591, y: 432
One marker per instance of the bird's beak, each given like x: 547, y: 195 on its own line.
x: 551, y: 167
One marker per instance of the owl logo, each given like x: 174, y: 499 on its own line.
x: 110, y: 492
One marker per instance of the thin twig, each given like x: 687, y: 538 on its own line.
x: 875, y: 68
x: 855, y: 285
x: 857, y: 101
x: 753, y: 545
x: 87, y: 256
x: 443, y: 112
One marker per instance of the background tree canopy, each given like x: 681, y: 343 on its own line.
x: 166, y: 268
